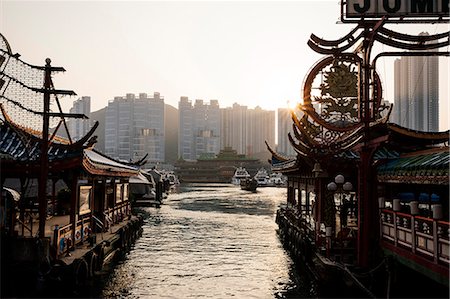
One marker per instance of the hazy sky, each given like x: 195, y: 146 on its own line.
x: 253, y: 53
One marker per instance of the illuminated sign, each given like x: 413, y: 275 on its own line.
x: 398, y: 10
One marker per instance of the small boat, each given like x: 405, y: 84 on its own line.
x: 249, y: 184
x: 142, y: 191
x: 262, y: 177
x: 277, y: 179
x: 239, y: 174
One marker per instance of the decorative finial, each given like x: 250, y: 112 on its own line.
x: 48, y: 61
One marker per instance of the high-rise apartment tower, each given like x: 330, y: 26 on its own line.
x: 134, y: 127
x: 416, y: 92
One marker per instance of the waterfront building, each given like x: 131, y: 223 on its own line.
x: 134, y: 127
x: 199, y: 128
x: 366, y: 197
x: 64, y: 206
x: 246, y: 130
x: 220, y: 168
x: 416, y: 92
x: 79, y: 127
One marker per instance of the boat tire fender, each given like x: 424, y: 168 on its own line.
x: 80, y: 272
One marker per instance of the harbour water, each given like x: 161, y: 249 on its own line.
x: 209, y: 241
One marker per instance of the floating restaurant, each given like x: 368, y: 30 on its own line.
x: 367, y: 209
x: 65, y: 209
x: 218, y: 168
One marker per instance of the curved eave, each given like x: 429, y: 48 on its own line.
x: 275, y: 154
x: 299, y: 126
x: 105, y: 170
x: 286, y: 167
x: 56, y: 140
x: 298, y: 135
x: 97, y: 163
x: 427, y: 137
x: 298, y: 147
x: 32, y: 133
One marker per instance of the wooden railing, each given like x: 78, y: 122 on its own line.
x: 117, y: 214
x: 63, y: 240
x: 423, y: 236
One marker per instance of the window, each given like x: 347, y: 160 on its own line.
x: 84, y: 200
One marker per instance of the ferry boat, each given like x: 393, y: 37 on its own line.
x: 240, y: 174
x: 262, y: 177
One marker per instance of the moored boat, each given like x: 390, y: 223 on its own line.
x: 262, y: 177
x: 277, y: 179
x: 240, y: 174
x: 142, y: 191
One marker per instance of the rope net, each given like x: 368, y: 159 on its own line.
x: 21, y: 87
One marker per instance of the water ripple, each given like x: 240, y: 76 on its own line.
x: 209, y: 241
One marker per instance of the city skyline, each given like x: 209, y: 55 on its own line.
x: 252, y: 53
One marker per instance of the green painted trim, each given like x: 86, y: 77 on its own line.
x: 417, y: 267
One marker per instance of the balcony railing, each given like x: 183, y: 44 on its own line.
x: 422, y: 236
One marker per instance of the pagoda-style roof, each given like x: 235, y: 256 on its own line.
x: 427, y: 166
x: 22, y: 146
x: 391, y: 139
x: 417, y: 137
x: 97, y: 163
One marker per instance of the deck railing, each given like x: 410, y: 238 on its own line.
x: 63, y: 240
x: 423, y: 236
x: 116, y: 214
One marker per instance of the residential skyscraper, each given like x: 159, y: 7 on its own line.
x: 285, y: 123
x: 234, y: 128
x: 199, y: 131
x: 79, y: 127
x: 260, y: 128
x: 416, y: 92
x: 134, y: 127
x: 246, y: 130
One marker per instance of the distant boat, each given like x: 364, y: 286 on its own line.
x: 249, y: 184
x: 142, y: 191
x: 277, y: 179
x: 172, y: 180
x: 262, y: 177
x: 239, y: 174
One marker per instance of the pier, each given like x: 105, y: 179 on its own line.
x: 65, y: 206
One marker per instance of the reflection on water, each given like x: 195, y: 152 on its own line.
x: 213, y: 241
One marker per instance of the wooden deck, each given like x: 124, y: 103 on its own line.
x: 59, y: 221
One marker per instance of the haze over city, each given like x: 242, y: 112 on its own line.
x: 253, y: 53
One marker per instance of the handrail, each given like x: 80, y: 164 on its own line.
x: 418, y: 238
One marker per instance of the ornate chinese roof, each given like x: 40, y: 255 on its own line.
x: 22, y: 146
x: 423, y: 167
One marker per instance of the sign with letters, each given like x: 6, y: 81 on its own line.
x: 396, y: 10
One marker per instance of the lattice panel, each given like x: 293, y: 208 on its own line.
x: 19, y: 90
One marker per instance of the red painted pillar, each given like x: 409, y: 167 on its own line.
x: 367, y: 210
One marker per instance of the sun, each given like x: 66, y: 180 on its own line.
x: 292, y: 105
